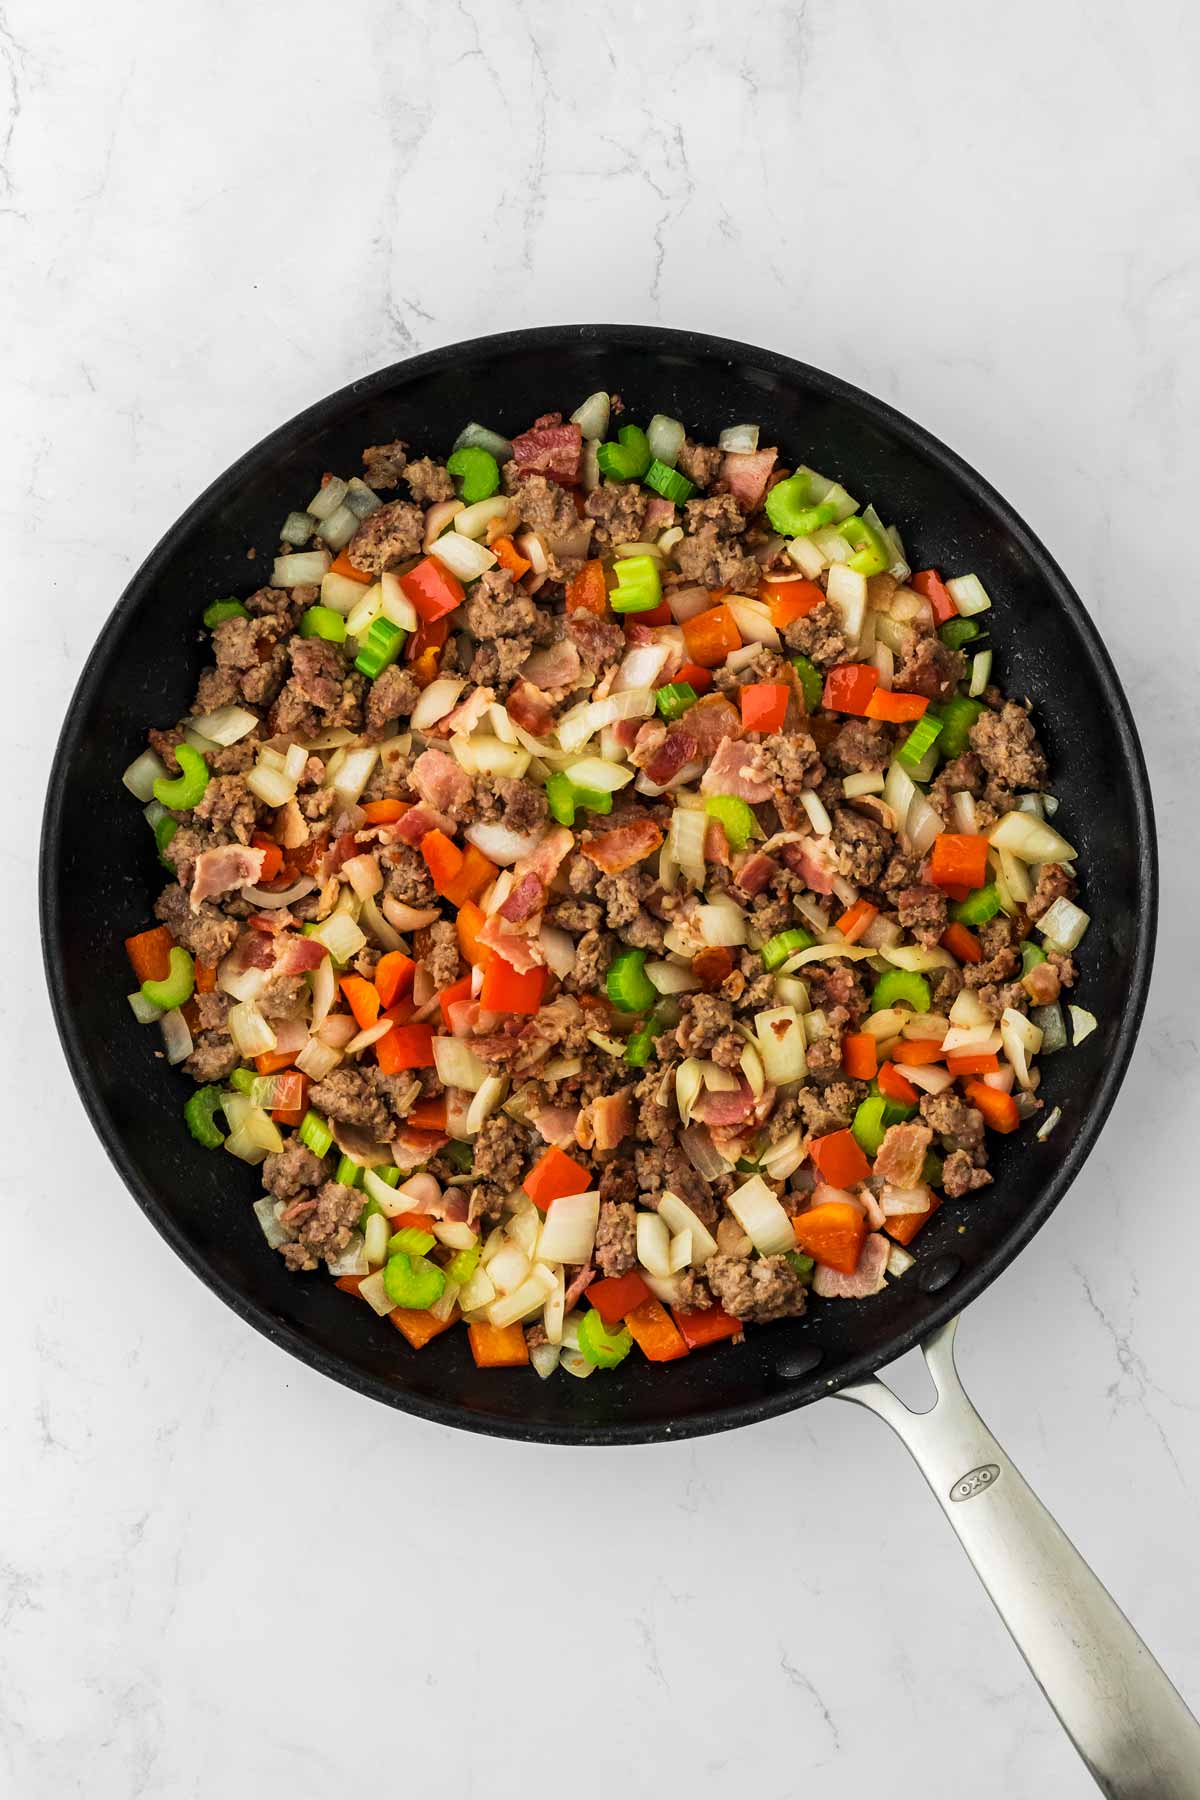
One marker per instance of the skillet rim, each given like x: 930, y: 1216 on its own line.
x: 660, y: 340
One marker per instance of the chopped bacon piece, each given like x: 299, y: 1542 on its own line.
x: 727, y: 1107
x: 744, y: 474
x: 605, y: 1121
x: 901, y: 1156
x: 867, y: 1279
x: 716, y: 844
x: 272, y: 922
x: 675, y: 752
x: 216, y: 871
x: 738, y: 768
x: 521, y: 951
x: 712, y: 720
x: 660, y: 516
x: 527, y: 897
x: 618, y: 850
x: 555, y: 670
x: 296, y: 955
x: 583, y: 1280
x: 546, y: 858
x: 755, y: 872
x: 556, y: 1124
x: 813, y: 859
x: 419, y: 821
x: 528, y: 709
x: 466, y: 715
x: 550, y: 448
x: 440, y: 781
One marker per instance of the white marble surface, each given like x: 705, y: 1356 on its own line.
x: 210, y: 216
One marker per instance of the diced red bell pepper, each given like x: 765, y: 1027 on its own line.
x: 655, y: 1333
x: 362, y: 998
x: 848, y: 688
x: 405, y: 1047
x: 839, y: 1159
x: 420, y: 1328
x: 617, y: 1295
x: 509, y: 990
x: 341, y: 565
x: 459, y: 990
x: 764, y: 705
x: 833, y: 1233
x: 859, y: 1055
x: 929, y: 584
x: 707, y: 1325
x: 587, y: 591
x: 475, y: 874
x: 897, y: 709
x: 497, y: 1346
x: 433, y: 590
x: 272, y: 855
x: 431, y: 634
x: 150, y: 953
x: 470, y: 923
x: 855, y: 919
x: 271, y: 1061
x: 394, y: 974
x: 893, y: 1085
x: 553, y: 1175
x: 790, y: 600
x: 384, y: 812
x: 961, y: 943
x: 443, y: 859
x: 959, y: 859
x: 915, y: 1051
x: 696, y: 677
x: 428, y: 1115
x: 658, y: 615
x: 972, y: 1062
x: 510, y: 558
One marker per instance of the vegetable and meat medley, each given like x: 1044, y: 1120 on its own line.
x: 608, y: 897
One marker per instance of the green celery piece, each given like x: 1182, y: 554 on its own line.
x: 187, y: 788
x: 178, y: 987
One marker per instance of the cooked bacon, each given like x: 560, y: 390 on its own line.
x: 411, y: 1148
x: 549, y: 448
x: 556, y: 1124
x: 648, y: 739
x: 466, y: 715
x: 463, y: 1016
x: 660, y: 516
x: 555, y: 670
x: 901, y: 1156
x: 605, y: 1121
x: 527, y: 897
x: 737, y: 768
x: 625, y: 733
x: 546, y: 858
x: 712, y: 964
x: 440, y: 781
x: 296, y: 955
x: 456, y: 1205
x: 813, y: 860
x: 357, y: 1142
x: 524, y: 953
x: 710, y: 721
x: 744, y: 474
x: 230, y: 866
x: 272, y: 922
x: 727, y: 1107
x: 418, y: 821
x: 598, y: 641
x: 581, y: 1282
x: 527, y: 708
x: 618, y: 850
x: 867, y: 1279
x: 339, y: 852
x: 716, y: 844
x: 755, y: 872
x: 675, y: 752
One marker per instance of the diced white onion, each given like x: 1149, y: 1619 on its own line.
x: 721, y: 925
x: 1063, y: 924
x: 847, y: 593
x: 271, y: 900
x: 354, y: 774
x: 753, y: 620
x: 544, y: 1358
x: 328, y: 498
x: 176, y: 1035
x: 569, y: 1231
x: 761, y: 1217
x: 437, y: 519
x: 300, y: 568
x: 394, y: 603
x: 1083, y: 1023
x: 439, y: 698
x: 1048, y: 1124
x: 365, y: 611
x: 473, y: 521
x: 869, y: 781
x: 689, y: 1080
x: 500, y: 844
x: 962, y: 807
x: 672, y: 978
x: 462, y: 556
x: 969, y: 595
x: 678, y: 1217
x: 339, y: 528
x: 916, y: 958
x: 142, y: 774
x: 665, y: 437
x: 1030, y: 838
x: 742, y: 440
x: 981, y: 672
x: 583, y: 721
x: 653, y: 1244
x: 457, y: 1064
x: 1022, y: 1040
x: 487, y: 1099
x: 591, y: 772
x: 529, y: 1298
x: 474, y: 436
x: 559, y: 949
x: 275, y: 1233
x: 226, y: 725
x: 898, y: 1202
x: 341, y: 936
x: 269, y: 785
x: 641, y: 666
x: 807, y: 556
x: 297, y: 528
x: 592, y: 415
x: 364, y: 875
x: 922, y: 825
x: 317, y: 1060
x: 781, y: 1044
x: 250, y: 1032
x: 899, y: 1261
x: 144, y: 1011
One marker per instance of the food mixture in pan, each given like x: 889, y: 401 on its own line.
x: 607, y: 896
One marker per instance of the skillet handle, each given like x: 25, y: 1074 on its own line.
x: 1121, y: 1712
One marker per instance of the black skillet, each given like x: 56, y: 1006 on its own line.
x: 99, y: 876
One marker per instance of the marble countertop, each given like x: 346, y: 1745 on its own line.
x: 212, y: 215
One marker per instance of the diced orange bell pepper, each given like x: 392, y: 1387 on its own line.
x: 412, y: 1221
x: 508, y: 990
x: 405, y: 1047
x: 475, y: 874
x: 903, y: 1227
x: 433, y: 590
x: 929, y: 584
x: 973, y: 1062
x: 961, y: 943
x: 832, y: 1233
x: 393, y: 976
x: 458, y: 990
x: 587, y: 591
x: 658, y: 615
x: 510, y: 558
x: 291, y: 1097
x: 272, y: 1061
x: 470, y: 923
x: 349, y: 1284
x: 341, y: 565
x: 893, y: 1086
x: 859, y: 1055
x: 424, y: 668
x: 839, y: 1159
x: 384, y: 812
x: 206, y: 977
x: 272, y: 855
x: 897, y: 709
x: 707, y: 1325
x: 711, y: 636
x: 697, y: 678
x: 150, y: 953
x: 959, y: 859
x: 553, y: 1175
x: 998, y: 1108
x: 428, y: 1115
x: 497, y: 1346
x: 655, y: 1333
x: 915, y: 1051
x: 848, y: 688
x: 431, y: 634
x: 855, y: 919
x: 764, y: 705
x: 790, y: 600
x: 617, y: 1295
x: 362, y: 998
x: 443, y: 858
x: 420, y: 1328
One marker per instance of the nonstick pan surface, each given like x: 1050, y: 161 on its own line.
x: 99, y: 874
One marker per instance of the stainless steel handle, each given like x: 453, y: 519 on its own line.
x: 1121, y: 1712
